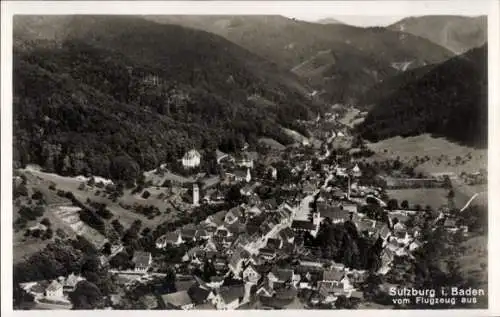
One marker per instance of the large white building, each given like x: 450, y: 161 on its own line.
x: 191, y: 159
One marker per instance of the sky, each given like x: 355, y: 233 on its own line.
x: 358, y: 20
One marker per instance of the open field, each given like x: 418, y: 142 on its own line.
x: 434, y: 197
x: 350, y: 117
x: 42, y: 181
x: 272, y: 143
x: 472, y: 258
x: 158, y: 179
x: 426, y: 145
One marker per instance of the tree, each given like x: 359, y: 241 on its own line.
x: 121, y: 261
x: 392, y: 204
x: 20, y: 297
x: 234, y: 196
x: 86, y: 296
x: 45, y: 222
x: 48, y: 234
x: 405, y: 205
x: 146, y: 194
x: 451, y: 194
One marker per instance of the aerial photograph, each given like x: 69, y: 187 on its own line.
x: 249, y: 162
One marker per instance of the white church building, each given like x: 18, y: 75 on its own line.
x: 191, y: 159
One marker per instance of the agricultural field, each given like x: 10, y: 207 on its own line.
x: 272, y: 143
x: 442, y: 154
x: 434, y: 197
x: 43, y: 180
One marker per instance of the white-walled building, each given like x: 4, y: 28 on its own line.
x: 191, y: 159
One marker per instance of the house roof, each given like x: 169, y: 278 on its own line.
x: 237, y: 228
x: 188, y: 233
x: 201, y: 233
x: 364, y: 224
x: 238, y: 256
x: 302, y: 224
x: 191, y: 154
x: 198, y: 293
x: 172, y: 236
x: 177, y: 299
x: 266, y: 251
x: 332, y: 275
x: 241, y: 172
x: 450, y: 222
x: 72, y: 280
x: 216, y: 279
x: 54, y: 286
x: 141, y: 258
x: 286, y: 233
x: 230, y: 293
x: 219, y: 154
x: 326, y: 287
x: 273, y: 243
x: 334, y: 213
x: 271, y: 203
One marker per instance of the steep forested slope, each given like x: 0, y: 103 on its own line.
x: 456, y: 33
x: 449, y: 100
x: 362, y: 56
x: 115, y: 95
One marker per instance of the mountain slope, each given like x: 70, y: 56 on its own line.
x: 115, y: 95
x: 289, y: 43
x: 449, y: 100
x: 456, y: 33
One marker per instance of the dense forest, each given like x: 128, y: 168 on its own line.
x: 118, y: 95
x: 449, y: 100
x: 361, y: 56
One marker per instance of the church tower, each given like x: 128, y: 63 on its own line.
x: 196, y: 195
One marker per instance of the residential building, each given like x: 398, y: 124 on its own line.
x: 241, y: 175
x: 191, y: 159
x: 200, y: 294
x: 170, y: 238
x: 251, y: 274
x: 178, y: 300
x: 229, y: 297
x: 220, y: 156
x: 70, y: 283
x: 142, y: 261
x: 54, y: 291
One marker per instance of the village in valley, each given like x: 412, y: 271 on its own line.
x: 308, y: 226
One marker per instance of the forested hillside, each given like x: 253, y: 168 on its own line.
x: 457, y: 33
x: 115, y: 95
x: 449, y: 100
x: 361, y: 56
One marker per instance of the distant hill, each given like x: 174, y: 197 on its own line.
x: 449, y: 100
x: 112, y: 95
x: 368, y: 52
x: 457, y: 33
x: 329, y: 21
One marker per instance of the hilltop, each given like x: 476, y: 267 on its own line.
x: 361, y: 57
x: 449, y: 101
x: 115, y: 95
x: 457, y: 33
